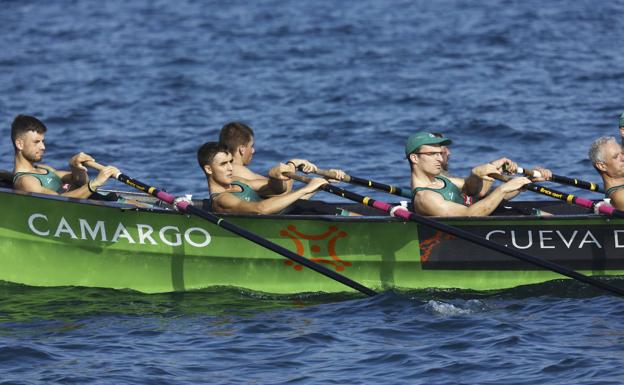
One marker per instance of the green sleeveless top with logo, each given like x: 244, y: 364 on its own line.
x: 612, y: 190
x: 49, y: 180
x: 247, y: 194
x: 449, y: 192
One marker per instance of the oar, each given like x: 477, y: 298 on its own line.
x: 562, y: 180
x: 403, y: 192
x: 402, y: 212
x: 598, y: 207
x: 185, y: 206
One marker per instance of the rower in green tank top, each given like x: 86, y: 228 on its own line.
x: 28, y: 135
x: 244, y: 196
x: 435, y: 194
x: 449, y: 192
x: 612, y: 190
x: 49, y: 180
x: 247, y: 193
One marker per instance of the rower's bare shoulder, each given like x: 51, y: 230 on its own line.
x: 617, y: 199
x: 242, y: 172
x: 425, y: 201
x: 27, y: 183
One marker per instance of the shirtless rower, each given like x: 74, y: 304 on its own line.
x: 239, y: 139
x: 28, y: 136
x: 607, y: 157
x: 238, y: 195
x: 435, y: 194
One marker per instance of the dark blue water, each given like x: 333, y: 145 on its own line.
x: 142, y: 84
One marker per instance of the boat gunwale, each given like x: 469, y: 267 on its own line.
x: 463, y: 220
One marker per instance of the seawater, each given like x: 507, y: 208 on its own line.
x: 142, y: 84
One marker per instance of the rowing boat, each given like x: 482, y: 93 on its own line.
x: 143, y: 246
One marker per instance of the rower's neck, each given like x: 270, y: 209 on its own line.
x: 422, y: 179
x: 239, y: 169
x: 216, y: 187
x: 237, y: 160
x: 611, y: 182
x: 21, y: 164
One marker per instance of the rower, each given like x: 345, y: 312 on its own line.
x: 230, y: 194
x: 28, y: 136
x: 435, y: 194
x: 239, y: 139
x: 607, y: 158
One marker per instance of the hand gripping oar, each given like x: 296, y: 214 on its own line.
x: 185, y: 206
x: 368, y: 183
x: 402, y: 212
x: 599, y: 207
x: 562, y: 180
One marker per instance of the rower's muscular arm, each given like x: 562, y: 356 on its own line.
x: 78, y: 175
x: 427, y: 202
x: 479, y: 183
x: 276, y: 185
x: 228, y: 203
x: 239, y: 171
x: 29, y: 183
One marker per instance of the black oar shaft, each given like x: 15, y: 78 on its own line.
x: 368, y: 183
x: 565, y: 180
x: 578, y: 183
x: 568, y: 198
x: 166, y: 197
x: 460, y: 233
x: 279, y: 250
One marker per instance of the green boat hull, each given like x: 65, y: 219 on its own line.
x: 64, y: 242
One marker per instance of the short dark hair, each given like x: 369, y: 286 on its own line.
x: 234, y: 134
x: 24, y: 123
x: 208, y: 151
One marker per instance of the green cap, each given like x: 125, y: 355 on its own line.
x: 424, y: 138
x: 621, y: 120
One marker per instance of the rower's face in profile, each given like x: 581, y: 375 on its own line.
x: 446, y: 154
x: 32, y: 146
x: 248, y: 152
x: 430, y: 158
x: 614, y: 159
x: 221, y: 168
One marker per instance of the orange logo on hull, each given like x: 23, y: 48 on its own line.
x: 427, y: 245
x: 331, y: 235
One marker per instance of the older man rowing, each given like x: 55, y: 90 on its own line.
x: 607, y: 157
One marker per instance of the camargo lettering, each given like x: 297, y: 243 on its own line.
x: 96, y: 231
